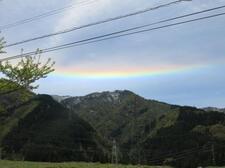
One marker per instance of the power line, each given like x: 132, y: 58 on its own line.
x: 109, y: 36
x: 46, y: 14
x: 88, y: 41
x: 95, y: 23
x: 155, y: 23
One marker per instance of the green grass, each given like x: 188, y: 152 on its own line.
x: 19, y: 164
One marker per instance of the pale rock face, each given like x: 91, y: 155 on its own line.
x: 93, y: 95
x: 214, y: 109
x: 59, y: 98
x: 115, y: 95
x: 77, y: 100
x: 106, y: 96
x: 111, y: 97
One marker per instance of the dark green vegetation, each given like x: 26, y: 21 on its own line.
x: 151, y: 132
x: 192, y: 138
x: 37, y: 128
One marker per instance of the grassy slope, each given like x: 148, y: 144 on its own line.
x: 16, y: 164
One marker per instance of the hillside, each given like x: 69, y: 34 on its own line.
x: 188, y: 138
x: 37, y: 128
x: 152, y: 132
x: 120, y: 115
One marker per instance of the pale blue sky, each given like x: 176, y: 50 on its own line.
x: 200, y: 44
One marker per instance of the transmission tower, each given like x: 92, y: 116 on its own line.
x: 213, y: 154
x: 114, y: 153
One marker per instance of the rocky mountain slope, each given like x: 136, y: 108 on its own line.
x: 59, y: 98
x: 214, y: 109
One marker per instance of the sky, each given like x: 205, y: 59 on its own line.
x: 182, y: 65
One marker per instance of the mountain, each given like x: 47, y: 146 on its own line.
x: 214, y: 109
x: 37, y: 128
x: 119, y: 115
x: 152, y: 132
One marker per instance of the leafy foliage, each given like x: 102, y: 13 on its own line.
x: 27, y: 70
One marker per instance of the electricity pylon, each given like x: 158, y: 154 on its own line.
x: 114, y: 153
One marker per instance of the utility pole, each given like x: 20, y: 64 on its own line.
x: 114, y: 153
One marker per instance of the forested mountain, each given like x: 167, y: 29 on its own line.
x: 152, y: 132
x: 35, y: 127
x: 119, y: 115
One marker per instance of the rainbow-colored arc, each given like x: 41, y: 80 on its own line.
x: 120, y: 73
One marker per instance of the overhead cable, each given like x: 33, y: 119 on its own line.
x: 110, y: 36
x: 93, y: 24
x: 46, y: 14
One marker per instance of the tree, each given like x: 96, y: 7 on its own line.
x: 28, y: 70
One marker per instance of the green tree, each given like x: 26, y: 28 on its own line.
x: 28, y: 70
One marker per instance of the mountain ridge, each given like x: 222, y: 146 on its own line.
x: 95, y: 94
x: 36, y: 127
x: 140, y: 125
